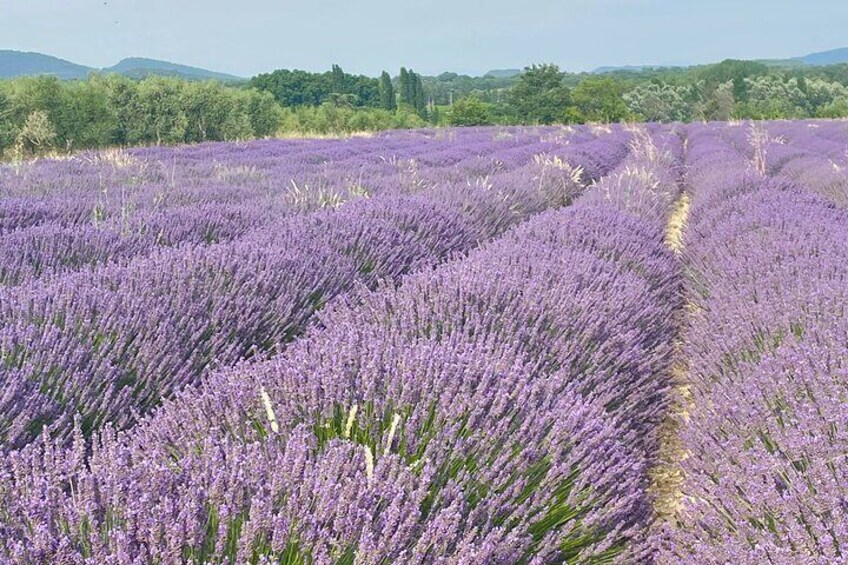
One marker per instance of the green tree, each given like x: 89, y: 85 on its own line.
x: 731, y: 70
x: 435, y: 116
x: 88, y: 119
x: 31, y: 94
x: 387, y: 92
x: 301, y: 88
x: 540, y: 96
x: 419, y: 97
x: 365, y: 89
x: 122, y: 96
x: 6, y: 131
x: 408, y: 86
x: 599, y: 99
x: 718, y: 104
x: 340, y: 100
x: 293, y: 88
x: 660, y: 102
x: 162, y: 118
x: 264, y: 113
x: 773, y: 97
x: 337, y: 82
x: 37, y: 133
x: 835, y: 109
x: 469, y: 111
x: 206, y: 108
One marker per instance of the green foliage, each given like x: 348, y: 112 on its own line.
x: 470, y: 111
x: 302, y: 88
x: 160, y: 116
x: 264, y: 113
x: 5, y: 133
x: 42, y: 113
x: 661, y: 102
x: 387, y: 92
x: 599, y: 99
x: 771, y: 97
x: 406, y: 92
x: 88, y: 119
x: 733, y: 71
x: 835, y: 109
x: 419, y: 98
x: 540, y: 96
x: 32, y: 94
x: 37, y: 133
x: 448, y: 87
x: 113, y: 110
x: 718, y: 104
x: 337, y: 79
x: 411, y: 91
x: 329, y: 119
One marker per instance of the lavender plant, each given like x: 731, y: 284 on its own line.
x: 765, y: 474
x: 498, y: 408
x: 110, y: 343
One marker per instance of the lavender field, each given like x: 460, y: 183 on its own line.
x: 584, y: 344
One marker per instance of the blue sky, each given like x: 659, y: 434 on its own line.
x: 246, y: 37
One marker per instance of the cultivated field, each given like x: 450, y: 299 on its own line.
x: 486, y: 345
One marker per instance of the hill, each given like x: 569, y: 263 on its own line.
x: 139, y: 67
x: 832, y: 57
x: 502, y: 73
x: 18, y: 63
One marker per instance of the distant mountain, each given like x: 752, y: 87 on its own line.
x: 823, y: 58
x: 641, y: 68
x: 138, y: 67
x: 832, y: 57
x: 820, y: 59
x: 18, y: 63
x: 626, y: 68
x: 503, y: 73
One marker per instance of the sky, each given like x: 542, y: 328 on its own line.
x: 247, y: 37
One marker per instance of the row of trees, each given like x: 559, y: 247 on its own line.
x: 42, y: 113
x: 763, y: 97
x: 543, y: 94
x: 296, y: 89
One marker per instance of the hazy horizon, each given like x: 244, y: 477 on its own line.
x: 432, y: 37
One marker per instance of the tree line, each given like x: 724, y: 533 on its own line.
x: 295, y: 88
x: 731, y: 89
x: 43, y: 113
x: 40, y: 114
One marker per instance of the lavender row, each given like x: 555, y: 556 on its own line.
x: 110, y: 342
x: 648, y: 182
x: 811, y: 153
x: 766, y: 436
x: 301, y: 173
x: 814, y: 155
x: 485, y: 411
x: 51, y: 247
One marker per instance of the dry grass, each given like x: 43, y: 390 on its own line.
x: 677, y: 223
x: 667, y: 476
x: 309, y: 135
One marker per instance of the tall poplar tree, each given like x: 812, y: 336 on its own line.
x: 406, y: 88
x: 387, y: 92
x: 418, y: 97
x: 337, y: 80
